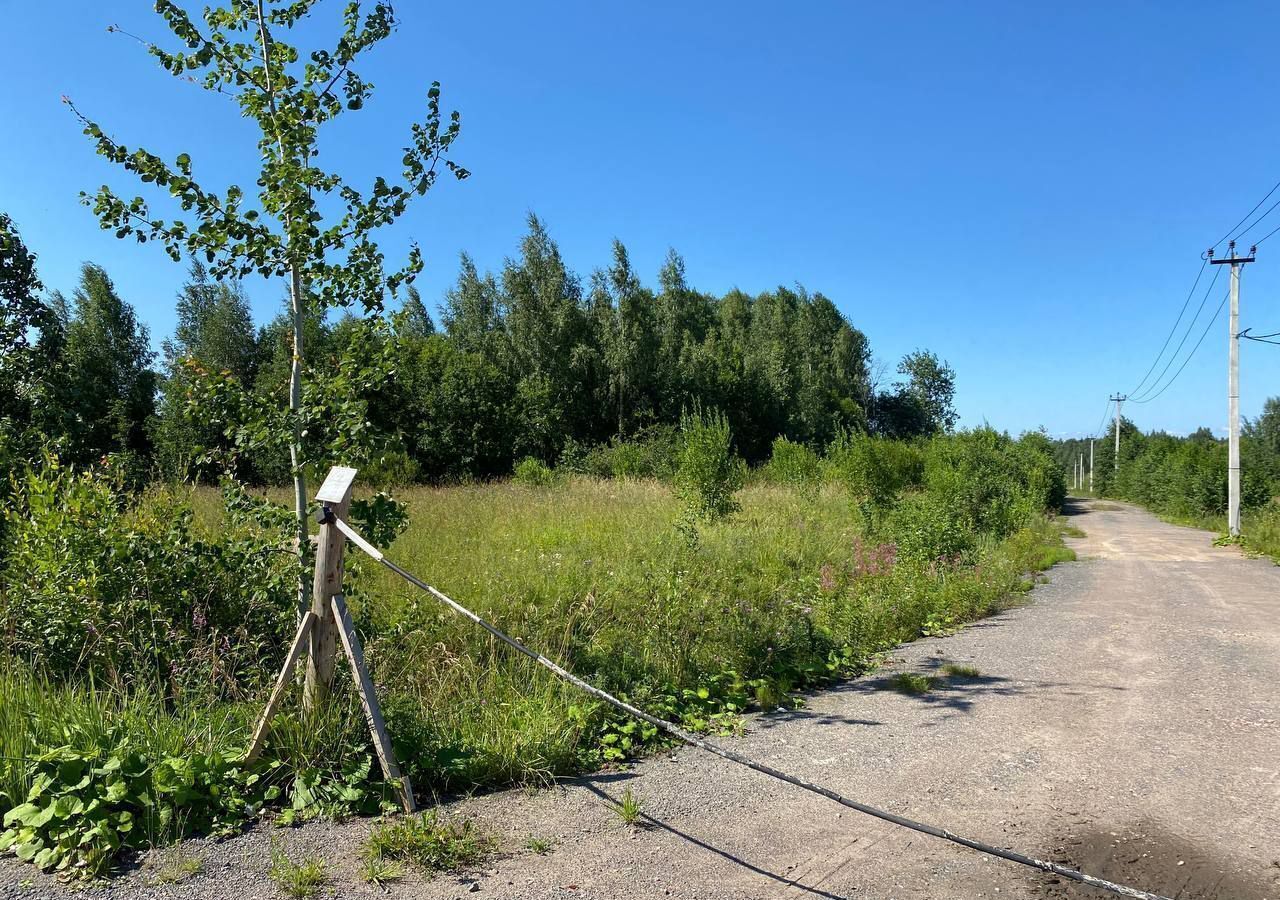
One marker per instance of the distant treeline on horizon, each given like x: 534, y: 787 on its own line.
x: 533, y: 361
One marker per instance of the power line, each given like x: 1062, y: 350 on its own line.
x: 1248, y: 214
x: 1155, y: 362
x: 1106, y: 414
x: 1203, y: 334
x: 1187, y: 333
x: 1253, y: 224
x: 1267, y: 235
x: 1231, y: 233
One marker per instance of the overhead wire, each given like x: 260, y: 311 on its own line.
x: 1234, y: 233
x: 1267, y: 235
x: 1185, y: 303
x: 1106, y: 414
x: 1256, y: 206
x: 1203, y: 334
x: 1190, y: 325
x: 1255, y: 222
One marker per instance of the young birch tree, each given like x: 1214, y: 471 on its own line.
x: 311, y: 227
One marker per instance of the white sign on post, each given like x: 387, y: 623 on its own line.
x: 336, y: 485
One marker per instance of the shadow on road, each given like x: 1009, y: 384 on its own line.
x: 657, y: 824
x: 959, y: 693
x: 1075, y: 506
x: 778, y: 717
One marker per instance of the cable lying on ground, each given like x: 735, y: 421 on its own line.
x: 695, y: 741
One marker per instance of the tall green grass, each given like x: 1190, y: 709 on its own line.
x: 596, y: 574
x: 797, y: 586
x: 37, y: 714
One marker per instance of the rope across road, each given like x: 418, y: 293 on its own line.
x: 694, y: 741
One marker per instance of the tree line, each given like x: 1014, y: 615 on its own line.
x: 531, y: 361
x: 1183, y: 477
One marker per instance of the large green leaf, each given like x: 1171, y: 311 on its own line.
x: 21, y: 814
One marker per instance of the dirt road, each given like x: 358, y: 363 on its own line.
x: 1127, y: 721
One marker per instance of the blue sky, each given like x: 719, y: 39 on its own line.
x: 1024, y: 188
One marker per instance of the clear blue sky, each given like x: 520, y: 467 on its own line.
x: 1024, y: 188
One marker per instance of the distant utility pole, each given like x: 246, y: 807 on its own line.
x: 1090, y: 465
x: 1118, y: 398
x: 1233, y: 385
x: 1082, y: 471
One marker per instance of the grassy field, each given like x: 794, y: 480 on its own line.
x: 166, y: 615
x: 789, y: 591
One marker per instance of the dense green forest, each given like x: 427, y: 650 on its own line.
x: 530, y: 362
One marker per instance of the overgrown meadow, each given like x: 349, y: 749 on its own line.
x: 142, y: 630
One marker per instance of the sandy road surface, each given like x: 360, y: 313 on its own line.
x: 1126, y: 721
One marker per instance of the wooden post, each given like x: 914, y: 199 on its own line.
x: 335, y: 495
x: 282, y: 684
x: 321, y: 629
x: 369, y: 700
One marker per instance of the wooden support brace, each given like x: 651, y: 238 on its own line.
x: 369, y: 700
x: 282, y: 685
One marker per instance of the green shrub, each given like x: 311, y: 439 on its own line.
x: 988, y: 482
x: 630, y: 460
x: 709, y: 473
x: 98, y: 579
x: 393, y: 468
x: 533, y: 473
x: 89, y: 799
x: 873, y: 471
x: 926, y: 529
x: 795, y: 465
x: 650, y: 454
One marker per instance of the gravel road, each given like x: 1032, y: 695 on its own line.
x: 1126, y: 721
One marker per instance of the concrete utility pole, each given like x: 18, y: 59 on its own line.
x: 1233, y: 385
x: 1090, y: 465
x: 1082, y: 471
x: 1118, y: 398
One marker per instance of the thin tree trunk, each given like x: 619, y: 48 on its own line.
x: 297, y: 302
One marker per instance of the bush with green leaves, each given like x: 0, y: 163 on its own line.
x: 99, y: 579
x: 926, y: 530
x: 651, y: 453
x: 708, y: 473
x: 88, y: 802
x: 873, y: 471
x: 990, y: 482
x: 533, y: 473
x: 795, y: 465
